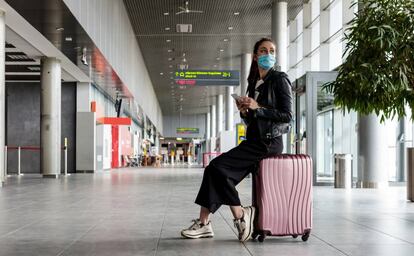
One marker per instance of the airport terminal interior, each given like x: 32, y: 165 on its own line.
x: 110, y: 111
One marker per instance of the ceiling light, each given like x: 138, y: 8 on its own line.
x: 68, y: 39
x: 221, y: 50
x: 217, y: 58
x: 170, y: 50
x: 167, y: 28
x: 182, y: 66
x: 179, y: 139
x: 170, y: 59
x: 33, y: 68
x: 230, y: 28
x: 168, y: 40
x: 18, y: 57
x: 170, y: 66
x: 184, y: 28
x: 60, y: 29
x: 161, y: 73
x: 225, y: 39
x: 236, y: 13
x: 166, y: 13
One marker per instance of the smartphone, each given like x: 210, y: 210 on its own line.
x: 235, y: 96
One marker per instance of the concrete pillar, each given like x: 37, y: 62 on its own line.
x: 213, y: 120
x: 2, y: 96
x: 372, y: 171
x: 400, y: 150
x: 219, y: 114
x: 280, y: 32
x: 208, y: 126
x: 50, y: 129
x: 145, y: 128
x: 246, y: 61
x: 157, y: 143
x: 229, y: 108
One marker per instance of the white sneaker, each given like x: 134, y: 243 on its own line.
x: 198, y: 230
x: 245, y: 224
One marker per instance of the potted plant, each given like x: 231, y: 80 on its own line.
x: 377, y: 75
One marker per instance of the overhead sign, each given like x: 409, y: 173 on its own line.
x: 185, y: 130
x: 207, y: 77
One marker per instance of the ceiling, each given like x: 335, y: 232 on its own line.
x: 23, y: 60
x: 54, y: 21
x: 210, y: 46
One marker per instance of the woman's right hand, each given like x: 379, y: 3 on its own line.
x: 239, y: 103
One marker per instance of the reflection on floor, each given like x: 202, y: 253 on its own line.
x: 141, y: 211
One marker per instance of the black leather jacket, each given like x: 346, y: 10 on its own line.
x: 274, y: 116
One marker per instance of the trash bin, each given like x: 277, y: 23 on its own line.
x: 410, y: 174
x: 343, y: 171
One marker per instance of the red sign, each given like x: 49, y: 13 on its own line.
x: 186, y: 82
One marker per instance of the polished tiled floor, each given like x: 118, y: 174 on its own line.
x: 141, y: 211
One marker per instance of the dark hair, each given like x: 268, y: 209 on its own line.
x: 254, y: 68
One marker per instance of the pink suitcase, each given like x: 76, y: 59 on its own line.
x: 282, y: 194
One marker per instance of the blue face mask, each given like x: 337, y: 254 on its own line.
x: 266, y: 61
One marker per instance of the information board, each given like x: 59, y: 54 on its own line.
x: 207, y: 77
x: 185, y: 130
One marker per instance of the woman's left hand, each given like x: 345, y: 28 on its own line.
x: 249, y: 103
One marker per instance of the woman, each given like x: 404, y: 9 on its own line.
x: 267, y: 111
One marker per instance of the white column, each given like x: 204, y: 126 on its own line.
x: 372, y: 171
x: 246, y: 61
x: 50, y: 129
x: 213, y: 120
x: 324, y: 54
x: 157, y: 142
x: 229, y: 108
x: 145, y: 128
x: 400, y: 150
x: 307, y: 37
x: 219, y: 114
x: 2, y: 95
x: 280, y: 32
x: 208, y: 126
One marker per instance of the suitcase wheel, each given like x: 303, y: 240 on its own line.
x: 262, y: 238
x: 305, y: 236
x: 254, y: 235
x: 295, y: 236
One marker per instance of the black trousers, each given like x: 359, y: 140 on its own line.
x: 227, y: 170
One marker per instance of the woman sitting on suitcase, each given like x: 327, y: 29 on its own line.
x: 267, y: 111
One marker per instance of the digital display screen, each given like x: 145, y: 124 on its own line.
x: 185, y: 130
x: 207, y: 77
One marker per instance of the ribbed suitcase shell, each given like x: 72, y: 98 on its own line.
x: 283, y: 196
